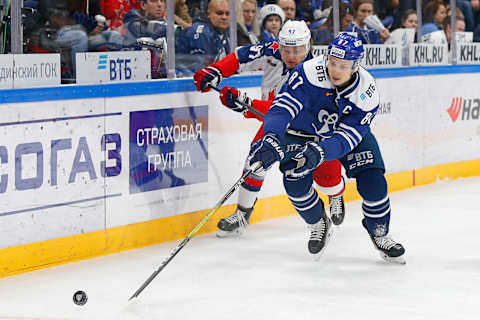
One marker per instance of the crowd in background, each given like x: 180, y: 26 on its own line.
x: 201, y: 27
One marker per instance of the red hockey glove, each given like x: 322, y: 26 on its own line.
x: 233, y: 99
x: 205, y: 77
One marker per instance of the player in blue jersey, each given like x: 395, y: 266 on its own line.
x: 334, y: 100
x: 276, y: 59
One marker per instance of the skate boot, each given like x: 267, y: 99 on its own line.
x: 320, y: 234
x: 234, y: 225
x: 337, y: 209
x: 389, y: 249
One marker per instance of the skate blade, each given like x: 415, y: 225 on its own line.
x: 398, y: 260
x: 230, y: 234
x: 336, y: 223
x: 318, y: 255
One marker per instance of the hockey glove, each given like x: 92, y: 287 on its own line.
x: 233, y: 99
x: 205, y: 77
x: 266, y: 151
x: 307, y: 160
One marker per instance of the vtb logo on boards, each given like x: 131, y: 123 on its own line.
x: 118, y: 68
x: 467, y: 108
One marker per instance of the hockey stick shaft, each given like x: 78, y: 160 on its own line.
x: 247, y: 106
x: 194, y: 231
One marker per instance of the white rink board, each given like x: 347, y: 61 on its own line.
x: 29, y: 70
x: 413, y: 128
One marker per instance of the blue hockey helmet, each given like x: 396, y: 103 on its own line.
x: 347, y: 46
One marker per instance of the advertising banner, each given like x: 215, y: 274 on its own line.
x: 29, y: 70
x: 53, y: 167
x: 376, y: 55
x: 36, y: 70
x: 118, y: 66
x: 382, y: 56
x: 468, y: 53
x: 168, y: 148
x: 6, y: 71
x: 425, y: 54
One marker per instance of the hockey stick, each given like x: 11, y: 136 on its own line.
x: 242, y: 104
x: 194, y: 231
x: 261, y: 115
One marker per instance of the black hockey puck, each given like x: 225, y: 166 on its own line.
x: 80, y: 298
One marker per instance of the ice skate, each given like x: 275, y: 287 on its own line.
x: 389, y: 249
x: 235, y: 224
x: 337, y: 209
x: 320, y: 234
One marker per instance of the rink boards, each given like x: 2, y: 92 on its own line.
x: 91, y: 170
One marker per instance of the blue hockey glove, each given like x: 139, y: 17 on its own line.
x: 266, y: 151
x: 233, y: 99
x: 307, y: 160
x: 206, y: 76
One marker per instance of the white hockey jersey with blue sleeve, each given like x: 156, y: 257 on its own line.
x: 265, y: 57
x: 308, y: 102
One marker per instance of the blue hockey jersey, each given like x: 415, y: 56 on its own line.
x: 310, y: 103
x: 265, y: 57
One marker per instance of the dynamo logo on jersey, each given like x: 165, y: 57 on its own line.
x: 468, y: 108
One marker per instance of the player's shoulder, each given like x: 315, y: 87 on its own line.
x: 255, y: 51
x: 365, y: 95
x: 272, y: 49
x: 315, y: 72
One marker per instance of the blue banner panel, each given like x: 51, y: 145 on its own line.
x: 168, y: 148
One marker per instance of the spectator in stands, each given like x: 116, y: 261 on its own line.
x: 147, y: 22
x: 443, y: 35
x: 114, y: 11
x: 247, y: 24
x: 289, y: 7
x: 476, y: 11
x: 59, y: 33
x: 272, y: 18
x: 306, y: 9
x: 434, y: 13
x: 149, y: 25
x: 324, y: 34
x: 198, y: 10
x: 406, y: 34
x: 465, y: 7
x: 100, y: 38
x: 409, y: 19
x: 182, y: 16
x: 459, y: 25
x: 204, y: 42
x: 361, y: 10
x: 476, y: 14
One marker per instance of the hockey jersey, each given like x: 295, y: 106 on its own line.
x: 308, y: 102
x: 264, y: 57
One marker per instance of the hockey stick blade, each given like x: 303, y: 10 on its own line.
x: 240, y: 103
x: 194, y: 231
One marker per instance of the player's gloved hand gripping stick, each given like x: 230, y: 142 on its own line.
x: 241, y: 104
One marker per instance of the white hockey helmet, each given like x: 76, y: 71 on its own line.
x: 295, y: 33
x: 271, y: 9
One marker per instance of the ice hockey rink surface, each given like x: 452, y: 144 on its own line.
x: 268, y: 273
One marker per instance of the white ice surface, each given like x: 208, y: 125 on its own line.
x: 268, y: 274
